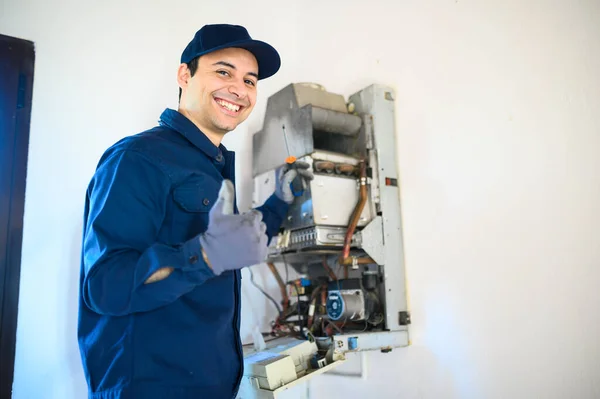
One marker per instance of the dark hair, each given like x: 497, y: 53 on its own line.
x: 193, y: 67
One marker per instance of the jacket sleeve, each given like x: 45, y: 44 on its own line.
x: 274, y: 210
x: 125, y: 207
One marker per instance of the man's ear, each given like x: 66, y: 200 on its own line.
x: 183, y: 75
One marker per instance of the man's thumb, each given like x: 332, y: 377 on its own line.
x: 224, y: 203
x: 289, y: 177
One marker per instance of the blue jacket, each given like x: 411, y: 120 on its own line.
x: 145, y: 206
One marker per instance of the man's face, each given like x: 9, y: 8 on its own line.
x: 222, y: 93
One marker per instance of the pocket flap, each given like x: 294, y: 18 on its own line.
x: 197, y: 194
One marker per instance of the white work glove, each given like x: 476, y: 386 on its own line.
x: 295, y: 175
x: 233, y: 241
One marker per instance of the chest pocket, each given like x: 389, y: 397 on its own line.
x: 194, y: 199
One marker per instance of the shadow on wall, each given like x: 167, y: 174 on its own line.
x: 78, y: 385
x: 378, y: 375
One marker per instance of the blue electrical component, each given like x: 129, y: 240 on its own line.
x: 335, y: 305
x: 304, y: 282
x: 352, y: 343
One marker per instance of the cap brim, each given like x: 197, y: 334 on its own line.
x: 266, y: 56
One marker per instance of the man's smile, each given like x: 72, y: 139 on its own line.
x: 228, y: 107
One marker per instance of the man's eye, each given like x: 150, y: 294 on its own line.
x: 250, y: 82
x: 224, y: 73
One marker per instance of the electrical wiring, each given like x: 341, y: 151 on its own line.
x: 263, y: 292
x: 287, y: 272
x: 308, y: 316
x: 282, y: 286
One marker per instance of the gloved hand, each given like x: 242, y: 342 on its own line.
x: 233, y: 241
x: 285, y: 176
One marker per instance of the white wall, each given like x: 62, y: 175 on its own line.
x: 498, y: 137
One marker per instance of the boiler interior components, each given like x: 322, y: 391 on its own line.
x: 343, y: 234
x: 350, y: 300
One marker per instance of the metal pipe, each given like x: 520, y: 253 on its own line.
x: 359, y: 261
x: 335, y: 122
x: 332, y: 275
x: 357, y: 211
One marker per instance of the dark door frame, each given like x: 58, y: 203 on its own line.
x: 17, y: 57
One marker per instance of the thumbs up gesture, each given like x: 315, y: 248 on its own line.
x: 233, y: 241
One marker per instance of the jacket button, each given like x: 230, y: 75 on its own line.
x: 193, y: 259
x: 206, y: 201
x: 219, y: 158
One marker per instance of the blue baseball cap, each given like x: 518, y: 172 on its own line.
x: 216, y: 37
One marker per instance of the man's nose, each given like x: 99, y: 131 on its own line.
x: 238, y: 89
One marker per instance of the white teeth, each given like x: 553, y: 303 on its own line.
x: 229, y: 106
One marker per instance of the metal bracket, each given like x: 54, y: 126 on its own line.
x: 372, y: 240
x: 384, y: 340
x: 404, y: 318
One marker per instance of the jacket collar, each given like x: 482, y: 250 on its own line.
x: 186, y: 128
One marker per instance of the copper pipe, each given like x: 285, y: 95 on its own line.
x: 284, y: 295
x: 359, y: 261
x: 350, y: 261
x: 357, y: 210
x: 324, y: 166
x: 332, y: 275
x: 345, y: 169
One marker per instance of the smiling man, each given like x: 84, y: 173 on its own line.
x: 219, y: 90
x: 163, y: 242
